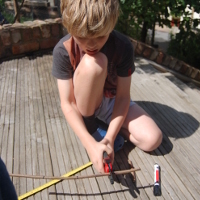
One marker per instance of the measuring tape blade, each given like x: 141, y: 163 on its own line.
x: 46, y: 185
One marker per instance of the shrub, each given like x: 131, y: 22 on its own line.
x: 185, y: 46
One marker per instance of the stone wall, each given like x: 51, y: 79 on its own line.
x: 20, y: 39
x: 169, y: 62
x: 33, y: 36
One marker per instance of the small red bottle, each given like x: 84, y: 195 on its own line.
x: 157, y: 186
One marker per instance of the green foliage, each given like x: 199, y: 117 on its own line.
x: 136, y: 13
x: 127, y: 23
x: 185, y: 46
x: 9, y: 16
x: 1, y: 5
x: 138, y: 16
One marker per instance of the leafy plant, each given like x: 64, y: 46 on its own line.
x: 10, y: 15
x: 1, y: 5
x: 138, y: 16
x: 185, y: 46
x: 141, y: 15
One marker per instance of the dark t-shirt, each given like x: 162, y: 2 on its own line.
x: 119, y: 52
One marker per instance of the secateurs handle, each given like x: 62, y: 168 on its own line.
x: 108, y: 166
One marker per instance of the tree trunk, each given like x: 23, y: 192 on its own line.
x: 144, y: 32
x: 153, y: 34
x: 16, y: 9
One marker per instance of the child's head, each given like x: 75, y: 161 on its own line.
x: 86, y: 18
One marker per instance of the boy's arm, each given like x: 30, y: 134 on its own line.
x: 72, y: 115
x: 122, y: 102
x: 68, y: 104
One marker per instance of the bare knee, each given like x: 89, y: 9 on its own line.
x: 89, y: 79
x: 148, y: 141
x: 152, y: 141
x: 94, y: 65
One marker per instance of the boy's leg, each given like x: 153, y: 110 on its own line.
x: 141, y: 130
x: 89, y: 79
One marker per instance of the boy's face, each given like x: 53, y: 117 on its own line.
x: 91, y: 45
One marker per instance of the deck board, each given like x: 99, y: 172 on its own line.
x: 179, y: 159
x: 36, y: 139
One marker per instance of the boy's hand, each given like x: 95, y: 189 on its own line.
x: 111, y: 147
x: 95, y: 152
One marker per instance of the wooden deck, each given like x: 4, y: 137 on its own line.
x: 36, y: 140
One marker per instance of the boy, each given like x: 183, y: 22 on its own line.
x: 93, y: 66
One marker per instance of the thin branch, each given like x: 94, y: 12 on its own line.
x: 73, y: 177
x: 18, y: 11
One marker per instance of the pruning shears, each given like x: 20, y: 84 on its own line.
x: 108, y: 166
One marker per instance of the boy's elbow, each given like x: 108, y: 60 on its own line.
x: 67, y: 107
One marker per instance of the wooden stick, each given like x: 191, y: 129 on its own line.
x: 133, y: 173
x: 73, y: 177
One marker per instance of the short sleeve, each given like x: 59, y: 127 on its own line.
x: 126, y: 64
x: 62, y: 68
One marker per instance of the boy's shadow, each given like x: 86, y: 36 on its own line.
x: 174, y: 124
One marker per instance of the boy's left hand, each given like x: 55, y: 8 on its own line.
x: 110, y: 145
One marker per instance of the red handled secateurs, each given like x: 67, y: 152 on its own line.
x: 108, y: 166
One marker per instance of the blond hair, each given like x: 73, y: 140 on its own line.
x: 86, y: 18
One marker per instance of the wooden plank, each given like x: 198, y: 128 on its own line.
x: 91, y: 187
x: 22, y: 148
x: 28, y: 126
x: 4, y: 116
x: 74, y: 161
x: 7, y: 114
x: 154, y: 88
x: 42, y: 146
x: 45, y: 165
x: 123, y: 185
x: 191, y: 96
x: 6, y: 110
x: 2, y: 107
x: 140, y: 95
x: 130, y: 188
x: 50, y: 120
x: 12, y: 91
x: 16, y: 168
x: 185, y: 174
x: 33, y: 108
x: 61, y: 131
x: 166, y: 185
x: 175, y: 162
x: 182, y: 128
x: 180, y: 161
x: 141, y: 175
x: 149, y: 160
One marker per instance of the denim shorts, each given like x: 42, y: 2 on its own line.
x: 105, y: 110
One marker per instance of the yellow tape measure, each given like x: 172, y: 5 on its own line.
x: 46, y: 185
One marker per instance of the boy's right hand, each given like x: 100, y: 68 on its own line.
x: 95, y: 152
